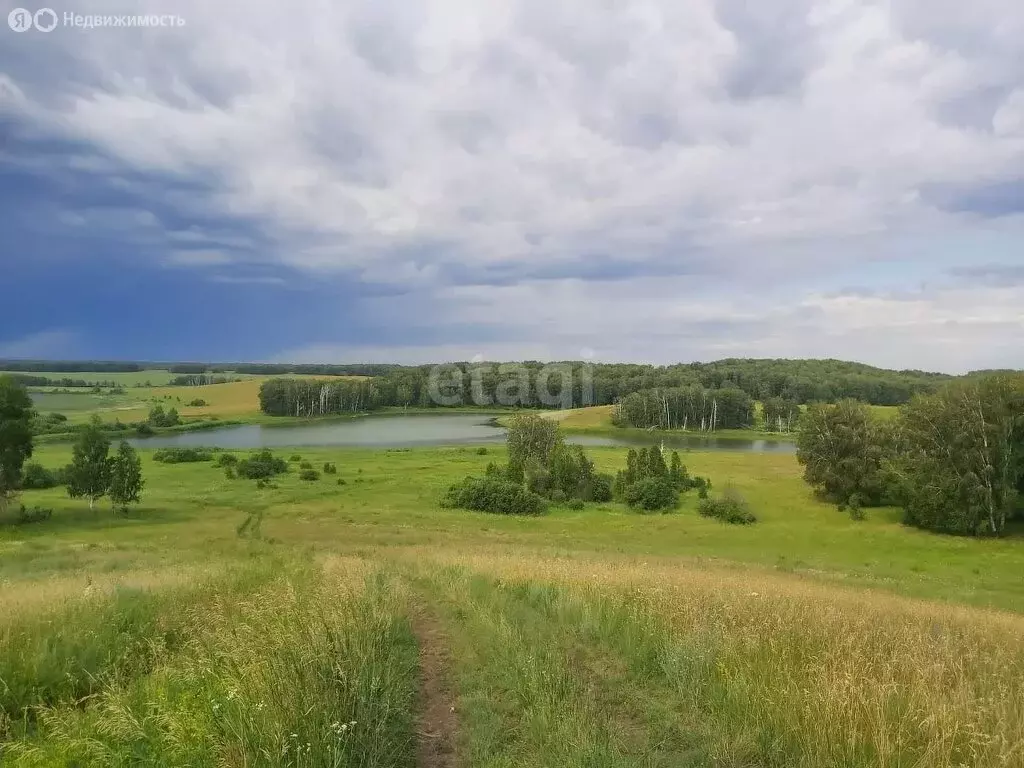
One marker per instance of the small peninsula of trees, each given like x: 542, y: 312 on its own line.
x: 953, y: 460
x: 688, y: 408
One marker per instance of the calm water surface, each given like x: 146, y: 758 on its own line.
x: 426, y: 430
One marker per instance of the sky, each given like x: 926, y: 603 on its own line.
x: 621, y: 180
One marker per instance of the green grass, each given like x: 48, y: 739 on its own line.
x: 601, y: 637
x: 391, y: 501
x: 298, y: 667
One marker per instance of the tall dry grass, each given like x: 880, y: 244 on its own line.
x: 301, y: 666
x: 771, y: 669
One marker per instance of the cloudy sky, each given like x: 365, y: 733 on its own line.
x: 641, y: 180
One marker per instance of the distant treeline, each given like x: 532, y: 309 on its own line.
x: 716, y: 394
x: 66, y: 382
x: 798, y: 381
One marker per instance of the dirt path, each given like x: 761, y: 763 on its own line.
x: 436, y: 720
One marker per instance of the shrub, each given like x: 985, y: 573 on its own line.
x: 262, y: 464
x: 575, y: 504
x: 144, y: 430
x: 227, y: 460
x: 36, y: 477
x: 27, y: 516
x: 309, y: 474
x: 558, y: 496
x: 598, y: 488
x: 481, y: 451
x: 342, y: 481
x: 182, y: 455
x: 295, y: 457
x: 198, y: 403
x: 492, y: 494
x: 230, y: 473
x: 652, y: 494
x: 305, y: 465
x: 330, y: 469
x: 730, y: 507
x: 261, y: 484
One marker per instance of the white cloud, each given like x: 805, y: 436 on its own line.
x: 757, y: 151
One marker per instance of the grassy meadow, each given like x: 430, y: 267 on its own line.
x: 361, y: 624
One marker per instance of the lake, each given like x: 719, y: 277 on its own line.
x: 401, y: 431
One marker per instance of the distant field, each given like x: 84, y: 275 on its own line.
x: 233, y: 400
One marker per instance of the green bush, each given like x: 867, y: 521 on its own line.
x: 652, y: 494
x: 198, y: 403
x: 481, y: 451
x: 598, y: 488
x: 227, y: 460
x: 575, y: 504
x: 33, y: 515
x: 306, y: 465
x: 36, y: 477
x: 492, y: 494
x: 730, y: 507
x: 330, y: 469
x: 262, y: 464
x: 262, y: 484
x: 342, y: 481
x: 182, y: 455
x: 309, y: 474
x: 295, y: 457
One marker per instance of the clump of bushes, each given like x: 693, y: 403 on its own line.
x: 342, y: 481
x: 652, y: 494
x: 730, y: 507
x: 330, y: 469
x: 494, y: 494
x: 309, y: 474
x: 306, y: 465
x: 261, y: 484
x: 182, y: 455
x: 295, y: 457
x: 261, y: 465
x: 27, y: 515
x: 159, y: 418
x: 226, y: 460
x: 648, y: 483
x: 481, y: 451
x: 198, y: 403
x: 36, y: 477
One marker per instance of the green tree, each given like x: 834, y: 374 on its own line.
x: 531, y: 438
x: 15, y: 436
x: 656, y: 463
x: 959, y: 470
x: 126, y: 481
x: 89, y: 472
x: 841, y: 452
x: 632, y: 467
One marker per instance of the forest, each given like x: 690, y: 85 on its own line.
x: 785, y: 383
x: 800, y: 381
